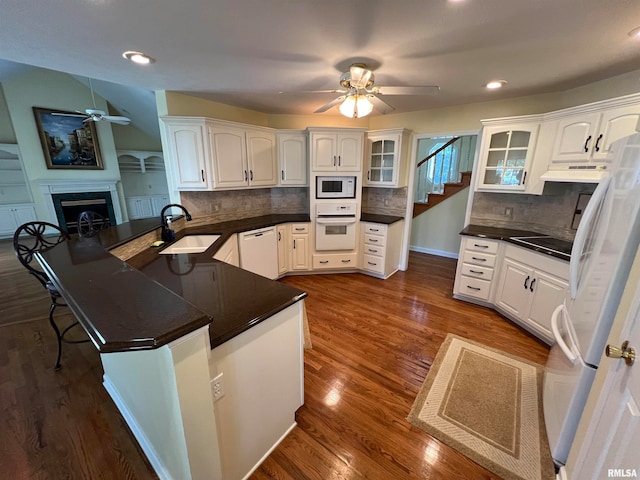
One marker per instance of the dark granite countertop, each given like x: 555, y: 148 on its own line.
x: 508, y: 235
x: 377, y: 218
x: 165, y: 296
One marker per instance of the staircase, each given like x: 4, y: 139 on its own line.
x: 445, y: 170
x: 436, y: 198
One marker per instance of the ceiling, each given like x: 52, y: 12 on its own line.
x: 245, y: 52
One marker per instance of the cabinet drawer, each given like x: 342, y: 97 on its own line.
x: 481, y: 245
x: 375, y: 228
x: 373, y: 263
x: 484, y: 273
x: 299, y: 228
x: 474, y: 287
x: 376, y: 240
x: 374, y: 250
x: 335, y: 261
x: 479, y: 258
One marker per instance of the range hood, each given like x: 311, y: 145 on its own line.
x: 577, y: 173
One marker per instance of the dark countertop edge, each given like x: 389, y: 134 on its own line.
x: 506, y: 234
x: 379, y: 218
x: 220, y: 339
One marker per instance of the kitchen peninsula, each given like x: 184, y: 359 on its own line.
x: 204, y: 360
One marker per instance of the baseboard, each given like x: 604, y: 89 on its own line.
x: 144, y: 443
x: 431, y: 251
x: 264, y: 457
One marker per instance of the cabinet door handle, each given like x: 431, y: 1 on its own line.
x: 368, y: 175
x: 474, y: 288
x: 586, y: 143
x: 279, y: 236
x: 282, y: 171
x: 245, y: 175
x: 339, y: 160
x: 480, y: 246
x: 334, y: 160
x: 531, y: 286
x: 526, y: 282
x: 202, y: 174
x: 346, y: 261
x: 524, y: 178
x: 294, y: 244
x: 476, y: 272
x: 597, y: 145
x: 251, y: 175
x: 479, y: 259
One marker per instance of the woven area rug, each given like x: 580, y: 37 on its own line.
x: 487, y: 405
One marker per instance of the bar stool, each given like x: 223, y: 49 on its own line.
x: 29, y: 239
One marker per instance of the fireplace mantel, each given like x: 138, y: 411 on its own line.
x: 49, y: 187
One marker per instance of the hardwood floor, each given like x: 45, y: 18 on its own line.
x: 373, y: 344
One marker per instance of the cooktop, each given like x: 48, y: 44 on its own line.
x: 544, y: 242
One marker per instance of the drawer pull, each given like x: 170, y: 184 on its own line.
x: 374, y: 229
x: 323, y: 262
x: 477, y: 289
x: 476, y: 272
x: 346, y: 261
x: 371, y: 250
x: 480, y: 246
x: 373, y: 240
x: 479, y: 259
x: 371, y: 263
x: 299, y: 229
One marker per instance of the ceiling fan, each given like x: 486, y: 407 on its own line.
x: 359, y: 96
x: 95, y: 115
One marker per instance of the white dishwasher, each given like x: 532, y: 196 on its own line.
x: 259, y: 252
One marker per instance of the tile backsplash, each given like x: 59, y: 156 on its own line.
x: 385, y: 201
x: 221, y: 206
x: 551, y: 213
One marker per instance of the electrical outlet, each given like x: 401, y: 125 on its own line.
x: 386, y: 202
x: 217, y: 387
x: 508, y: 211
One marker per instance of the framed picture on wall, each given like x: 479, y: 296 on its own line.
x: 68, y: 141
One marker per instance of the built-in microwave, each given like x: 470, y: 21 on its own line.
x: 335, y: 187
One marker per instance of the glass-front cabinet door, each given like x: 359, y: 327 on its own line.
x: 384, y: 160
x: 506, y: 155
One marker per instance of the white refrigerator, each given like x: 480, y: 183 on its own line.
x: 603, y: 250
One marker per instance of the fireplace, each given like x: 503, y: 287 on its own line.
x: 69, y: 205
x: 66, y: 199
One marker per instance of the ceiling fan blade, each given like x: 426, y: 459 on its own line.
x: 79, y: 114
x: 331, y: 104
x: 341, y: 91
x: 380, y: 105
x: 360, y: 76
x: 116, y: 119
x: 423, y: 90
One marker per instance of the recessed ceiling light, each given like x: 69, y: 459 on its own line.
x: 635, y: 33
x: 138, y: 57
x: 492, y: 85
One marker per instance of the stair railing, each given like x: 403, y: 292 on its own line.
x: 436, y: 169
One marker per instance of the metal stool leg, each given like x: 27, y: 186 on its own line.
x: 58, y: 335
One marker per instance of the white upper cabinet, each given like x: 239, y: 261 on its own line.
x: 242, y: 157
x: 386, y: 158
x: 506, y: 155
x: 336, y: 150
x: 187, y: 152
x: 588, y: 137
x: 292, y: 158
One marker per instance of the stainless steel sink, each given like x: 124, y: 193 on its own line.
x: 190, y: 244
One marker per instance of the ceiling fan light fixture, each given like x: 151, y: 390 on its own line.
x: 356, y: 106
x: 138, y: 57
x: 495, y: 84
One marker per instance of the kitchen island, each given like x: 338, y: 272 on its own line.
x: 204, y: 360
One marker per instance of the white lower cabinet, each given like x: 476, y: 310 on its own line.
x: 380, y: 248
x: 228, y: 253
x: 335, y: 261
x: 475, y: 273
x: 12, y: 216
x: 528, y: 294
x: 145, y: 206
x: 294, y: 247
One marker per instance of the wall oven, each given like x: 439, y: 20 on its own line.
x: 336, y: 226
x: 335, y: 187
